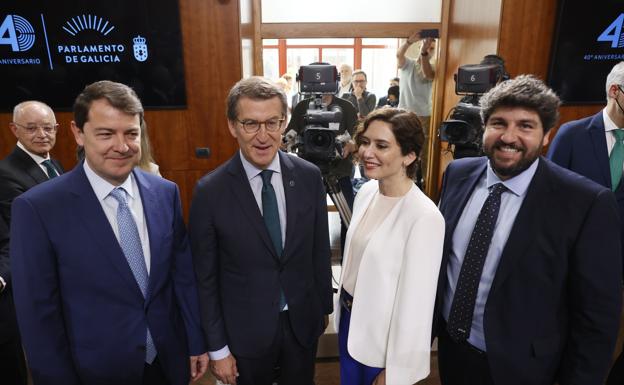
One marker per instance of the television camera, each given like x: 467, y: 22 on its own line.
x: 463, y: 128
x: 317, y: 135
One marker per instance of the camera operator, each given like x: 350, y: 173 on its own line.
x: 341, y: 167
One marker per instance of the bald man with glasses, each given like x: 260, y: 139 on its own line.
x: 34, y: 125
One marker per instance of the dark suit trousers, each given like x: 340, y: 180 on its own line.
x: 616, y: 376
x: 461, y: 363
x: 287, y: 361
x: 12, y: 362
x: 154, y: 374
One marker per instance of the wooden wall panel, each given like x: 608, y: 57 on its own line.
x: 211, y: 41
x: 473, y: 27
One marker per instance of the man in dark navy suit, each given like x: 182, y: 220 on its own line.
x: 258, y: 229
x: 530, y: 286
x: 34, y: 125
x: 102, y: 272
x: 594, y: 147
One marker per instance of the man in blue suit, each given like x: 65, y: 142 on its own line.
x: 530, y: 286
x: 258, y: 230
x: 103, y: 280
x: 591, y: 147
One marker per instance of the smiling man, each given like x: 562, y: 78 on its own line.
x: 258, y: 229
x: 34, y: 125
x: 529, y: 291
x: 102, y: 272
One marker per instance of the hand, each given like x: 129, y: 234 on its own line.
x: 381, y: 378
x: 358, y: 91
x: 347, y: 149
x: 199, y: 365
x: 225, y: 369
x: 426, y: 45
x: 413, y: 38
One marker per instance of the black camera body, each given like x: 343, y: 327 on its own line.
x: 318, y: 140
x: 463, y: 127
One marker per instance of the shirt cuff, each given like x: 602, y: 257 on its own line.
x: 2, y: 284
x: 219, y: 354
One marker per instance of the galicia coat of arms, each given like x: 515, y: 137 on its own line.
x: 140, y: 48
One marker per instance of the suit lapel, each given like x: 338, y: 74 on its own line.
x: 153, y: 215
x: 241, y: 190
x: 599, y: 143
x: 458, y: 196
x: 293, y: 190
x: 524, y: 228
x: 90, y: 210
x: 29, y: 166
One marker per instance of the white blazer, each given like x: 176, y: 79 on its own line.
x: 396, y: 286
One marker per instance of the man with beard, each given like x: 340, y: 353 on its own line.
x: 530, y: 285
x: 594, y: 147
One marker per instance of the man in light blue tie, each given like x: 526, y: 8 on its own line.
x: 103, y: 279
x: 594, y: 147
x: 30, y: 163
x: 258, y: 230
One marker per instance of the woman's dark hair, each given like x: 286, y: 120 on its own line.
x: 406, y: 128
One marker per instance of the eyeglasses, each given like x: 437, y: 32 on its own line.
x: 253, y: 126
x: 32, y: 128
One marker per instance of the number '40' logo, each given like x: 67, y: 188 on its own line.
x: 613, y: 33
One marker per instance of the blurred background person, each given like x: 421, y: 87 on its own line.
x: 384, y: 99
x: 362, y: 100
x: 416, y: 84
x: 392, y: 99
x: 346, y: 72
x: 392, y: 259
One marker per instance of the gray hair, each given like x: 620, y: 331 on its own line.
x: 254, y: 88
x: 616, y: 76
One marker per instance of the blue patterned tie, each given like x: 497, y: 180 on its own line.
x: 462, y: 308
x: 130, y: 243
x: 50, y: 169
x: 270, y: 213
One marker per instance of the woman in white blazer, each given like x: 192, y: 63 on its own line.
x: 391, y: 260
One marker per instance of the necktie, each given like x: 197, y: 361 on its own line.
x: 616, y: 159
x: 50, y: 168
x: 462, y: 308
x: 270, y: 213
x: 131, y: 246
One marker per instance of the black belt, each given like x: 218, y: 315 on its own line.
x: 346, y: 300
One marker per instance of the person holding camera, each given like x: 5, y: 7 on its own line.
x: 392, y: 259
x: 417, y: 82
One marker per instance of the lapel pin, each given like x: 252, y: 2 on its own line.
x: 291, y: 183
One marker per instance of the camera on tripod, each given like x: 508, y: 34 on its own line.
x: 318, y: 141
x: 463, y: 127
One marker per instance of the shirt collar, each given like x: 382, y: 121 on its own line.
x: 253, y: 171
x: 608, y: 122
x: 38, y: 159
x: 519, y: 184
x: 102, y: 187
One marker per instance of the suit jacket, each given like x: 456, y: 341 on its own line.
x: 239, y: 273
x: 581, y: 146
x: 18, y: 173
x: 396, y: 285
x: 82, y: 316
x: 552, y: 313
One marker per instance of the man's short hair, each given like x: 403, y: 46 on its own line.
x: 524, y: 91
x: 359, y: 72
x: 616, y: 76
x: 254, y: 88
x: 118, y: 95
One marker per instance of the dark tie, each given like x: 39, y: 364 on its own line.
x: 130, y: 243
x: 460, y: 317
x: 270, y: 214
x: 50, y: 168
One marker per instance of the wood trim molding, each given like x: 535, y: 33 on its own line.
x: 328, y: 30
